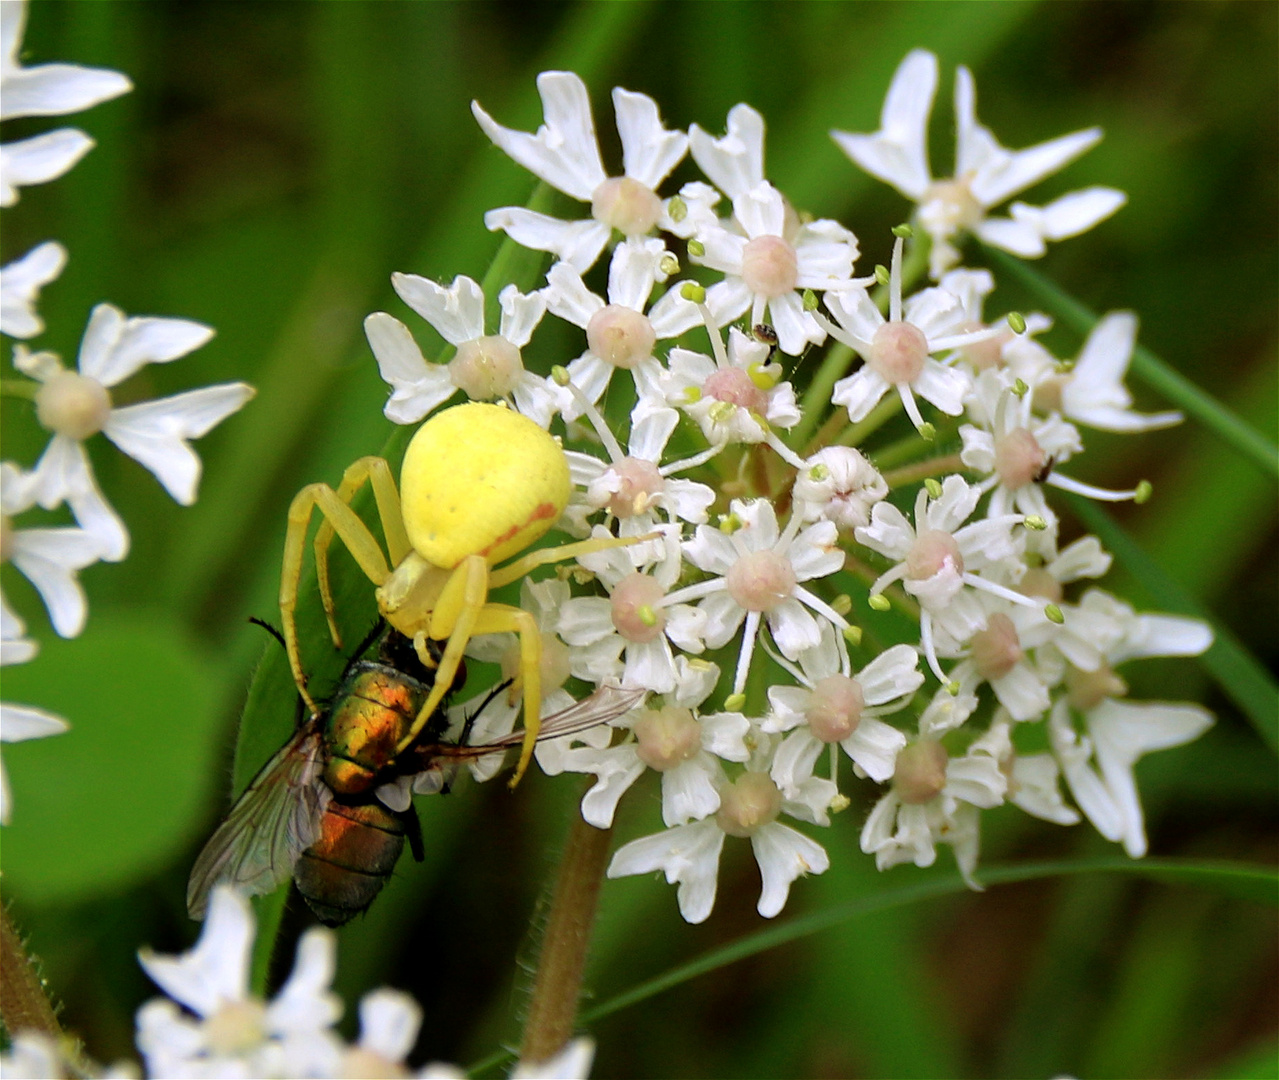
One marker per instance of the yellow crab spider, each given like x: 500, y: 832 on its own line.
x: 479, y: 484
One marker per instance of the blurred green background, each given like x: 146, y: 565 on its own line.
x: 277, y: 162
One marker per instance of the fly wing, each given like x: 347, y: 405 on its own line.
x: 276, y: 819
x: 606, y: 704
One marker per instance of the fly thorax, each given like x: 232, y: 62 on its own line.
x: 486, y: 368
x: 626, y: 205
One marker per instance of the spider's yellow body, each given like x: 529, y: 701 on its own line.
x: 479, y: 484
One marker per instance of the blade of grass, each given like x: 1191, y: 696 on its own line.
x: 1239, y: 674
x: 1223, y: 422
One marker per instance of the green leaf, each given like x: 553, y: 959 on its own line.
x: 122, y: 793
x: 1240, y: 675
x: 1226, y: 424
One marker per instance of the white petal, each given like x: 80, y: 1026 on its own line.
x: 859, y: 393
x: 687, y: 854
x: 63, y: 475
x: 997, y: 181
x: 216, y: 971
x: 578, y: 243
x: 155, y: 433
x: 734, y: 163
x: 457, y: 313
x: 1022, y: 693
x: 689, y: 792
x: 783, y: 855
x: 761, y: 211
x: 114, y: 347
x: 649, y: 151
x: 20, y: 285
x: 57, y: 89
x: 564, y: 152
x: 615, y: 771
x: 389, y: 1023
x: 794, y: 760
x: 520, y: 315
x: 632, y: 272
x: 874, y: 747
x: 21, y: 722
x: 416, y: 386
x: 1020, y: 237
x: 723, y: 734
x: 49, y: 558
x: 305, y: 1003
x: 39, y: 159
x: 894, y: 673
x: 1079, y: 211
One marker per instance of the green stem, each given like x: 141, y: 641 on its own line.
x: 859, y: 432
x: 921, y: 470
x: 19, y: 388
x: 557, y: 986
x: 1223, y: 422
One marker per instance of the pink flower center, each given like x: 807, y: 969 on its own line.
x: 760, y: 580
x: 1019, y: 459
x: 897, y: 352
x: 748, y: 805
x: 620, y: 336
x: 997, y: 649
x: 486, y: 368
x: 667, y: 737
x: 933, y: 551
x: 626, y: 205
x: 736, y: 387
x: 73, y: 405
x: 1087, y: 689
x: 636, y: 610
x: 638, y: 482
x: 984, y: 354
x: 1040, y: 583
x: 835, y: 708
x: 920, y: 773
x: 770, y: 266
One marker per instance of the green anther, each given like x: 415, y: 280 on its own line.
x: 839, y: 804
x: 933, y: 487
x: 1017, y: 322
x: 721, y: 411
x: 734, y: 702
x: 677, y: 208
x: 729, y: 524
x: 764, y: 375
x: 1035, y: 523
x: 646, y: 615
x: 1064, y: 367
x: 878, y: 602
x: 692, y: 394
x: 810, y: 300
x: 927, y: 432
x: 696, y: 248
x: 1020, y: 388
x: 953, y: 688
x: 1144, y: 490
x: 560, y: 375
x: 668, y: 264
x: 853, y: 635
x: 842, y: 604
x: 881, y: 274
x: 690, y: 290
x: 903, y: 232
x: 1053, y: 614
x: 818, y: 473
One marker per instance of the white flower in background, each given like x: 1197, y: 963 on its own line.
x: 837, y: 483
x: 1034, y: 780
x: 20, y: 285
x: 619, y: 335
x: 1092, y: 391
x: 45, y: 90
x: 898, y: 350
x: 484, y: 367
x: 75, y: 405
x: 389, y: 1023
x: 934, y: 799
x: 756, y: 573
x: 233, y: 1033
x: 565, y: 154
x: 736, y: 397
x: 831, y: 708
x: 21, y: 722
x: 749, y: 807
x: 767, y: 267
x: 48, y: 558
x: 1007, y: 347
x: 986, y: 174
x: 33, y: 1055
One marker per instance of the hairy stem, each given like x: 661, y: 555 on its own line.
x: 23, y: 1001
x: 557, y: 985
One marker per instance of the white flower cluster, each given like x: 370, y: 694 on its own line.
x: 76, y: 405
x: 735, y: 559
x: 211, y: 1025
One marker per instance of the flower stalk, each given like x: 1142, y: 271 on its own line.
x: 23, y: 1002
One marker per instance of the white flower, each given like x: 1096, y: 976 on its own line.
x: 986, y: 174
x: 20, y: 285
x: 689, y: 854
x: 1092, y: 391
x: 767, y: 266
x: 898, y: 350
x: 21, y: 722
x: 565, y: 154
x: 997, y: 653
x: 389, y: 1022
x: 618, y: 332
x: 47, y: 90
x: 837, y: 483
x: 48, y: 558
x: 758, y: 571
x: 233, y: 1033
x: 573, y: 1062
x: 76, y: 405
x: 484, y: 367
x: 831, y: 707
x: 734, y: 163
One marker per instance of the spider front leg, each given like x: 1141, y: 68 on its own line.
x: 358, y: 540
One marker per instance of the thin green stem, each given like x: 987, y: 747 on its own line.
x: 833, y: 368
x: 921, y: 470
x: 1221, y: 421
x: 859, y: 432
x: 19, y: 388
